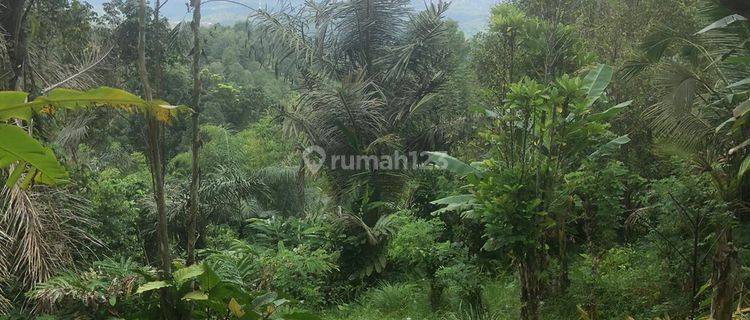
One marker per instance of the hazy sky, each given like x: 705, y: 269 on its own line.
x: 472, y: 15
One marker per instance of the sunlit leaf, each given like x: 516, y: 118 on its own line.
x: 17, y: 147
x: 235, y: 308
x: 722, y: 23
x: 187, y: 273
x: 11, y: 106
x: 195, y: 295
x: 153, y: 285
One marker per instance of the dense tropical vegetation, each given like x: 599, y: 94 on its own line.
x: 576, y: 159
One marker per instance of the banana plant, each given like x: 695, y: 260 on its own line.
x: 21, y: 153
x: 203, y: 290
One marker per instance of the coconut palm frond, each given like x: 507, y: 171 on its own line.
x: 677, y: 114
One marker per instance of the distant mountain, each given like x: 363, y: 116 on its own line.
x: 471, y: 15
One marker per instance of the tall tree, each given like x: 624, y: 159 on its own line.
x: 196, y: 143
x: 154, y: 141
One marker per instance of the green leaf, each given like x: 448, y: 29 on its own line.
x: 16, y: 174
x: 725, y: 123
x: 739, y: 83
x: 301, y: 316
x: 743, y: 167
x: 446, y: 162
x: 187, y: 273
x: 740, y: 110
x: 596, y: 82
x: 264, y: 299
x: 455, y: 203
x: 13, y: 106
x: 209, y: 278
x: 16, y: 146
x: 608, y: 147
x: 153, y: 285
x: 13, y: 98
x: 611, y: 112
x: 740, y: 146
x: 195, y: 295
x: 235, y: 308
x: 722, y: 23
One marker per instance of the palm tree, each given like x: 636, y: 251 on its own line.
x: 369, y: 72
x: 700, y: 88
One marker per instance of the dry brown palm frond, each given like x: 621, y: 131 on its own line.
x: 66, y: 69
x: 46, y: 229
x: 635, y: 218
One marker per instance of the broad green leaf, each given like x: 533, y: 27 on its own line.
x: 16, y: 174
x: 153, y: 285
x: 596, y: 82
x: 16, y: 146
x: 209, y: 278
x: 195, y: 295
x: 235, y: 308
x: 610, y: 146
x: 301, y: 316
x: 455, y: 203
x: 74, y: 100
x: 13, y: 98
x: 722, y: 23
x: 264, y: 299
x: 187, y: 273
x: 446, y: 162
x: 611, y: 112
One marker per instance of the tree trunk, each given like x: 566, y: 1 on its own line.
x: 154, y: 139
x: 435, y: 294
x: 563, y: 279
x: 528, y: 273
x: 195, y: 177
x: 12, y: 18
x: 724, y: 275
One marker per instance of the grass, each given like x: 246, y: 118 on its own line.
x: 409, y: 301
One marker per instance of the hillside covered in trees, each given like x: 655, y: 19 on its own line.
x: 375, y: 159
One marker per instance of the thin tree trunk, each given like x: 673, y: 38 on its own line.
x: 528, y: 273
x: 195, y: 177
x: 563, y: 279
x: 591, y: 227
x: 12, y: 18
x: 154, y: 137
x: 724, y: 276
x: 301, y: 184
x: 436, y: 293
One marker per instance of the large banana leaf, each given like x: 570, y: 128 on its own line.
x: 13, y: 105
x: 447, y: 162
x: 19, y: 148
x: 596, y: 81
